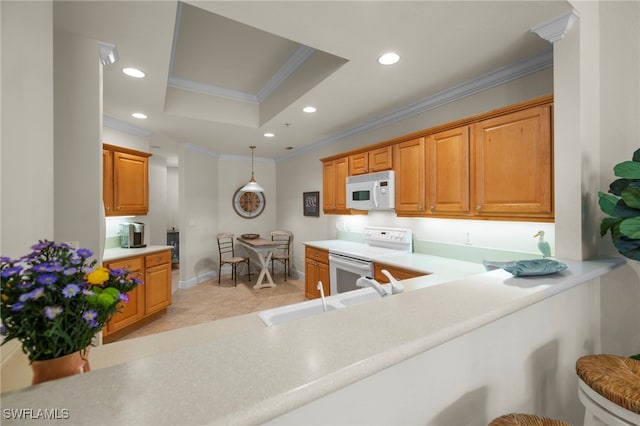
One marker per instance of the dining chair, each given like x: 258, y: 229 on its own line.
x: 228, y: 256
x: 282, y: 252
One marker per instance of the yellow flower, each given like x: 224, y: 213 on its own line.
x: 4, y: 297
x: 98, y: 276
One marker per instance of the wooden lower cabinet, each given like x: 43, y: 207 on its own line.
x: 395, y: 271
x: 146, y: 301
x: 316, y: 268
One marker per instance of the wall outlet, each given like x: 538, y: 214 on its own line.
x: 467, y: 238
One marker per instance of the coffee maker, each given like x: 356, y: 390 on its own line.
x: 132, y: 235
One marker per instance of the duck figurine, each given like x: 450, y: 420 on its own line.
x: 543, y: 245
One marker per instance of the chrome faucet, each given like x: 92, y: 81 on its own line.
x: 324, y: 302
x: 370, y: 282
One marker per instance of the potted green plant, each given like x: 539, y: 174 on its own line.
x: 622, y: 205
x: 54, y: 300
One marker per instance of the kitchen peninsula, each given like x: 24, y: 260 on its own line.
x: 238, y: 371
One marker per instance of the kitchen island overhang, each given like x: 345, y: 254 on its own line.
x: 265, y: 372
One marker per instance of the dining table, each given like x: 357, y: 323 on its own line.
x: 264, y: 250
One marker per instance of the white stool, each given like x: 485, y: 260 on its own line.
x: 604, y: 379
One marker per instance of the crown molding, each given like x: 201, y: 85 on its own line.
x: 557, y: 28
x: 284, y: 72
x: 123, y: 126
x: 289, y: 67
x: 484, y: 82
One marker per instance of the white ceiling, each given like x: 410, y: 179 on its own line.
x: 221, y: 74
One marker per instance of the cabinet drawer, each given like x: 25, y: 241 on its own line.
x: 130, y: 264
x: 316, y: 254
x: 157, y: 258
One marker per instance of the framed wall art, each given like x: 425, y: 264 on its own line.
x: 311, y: 203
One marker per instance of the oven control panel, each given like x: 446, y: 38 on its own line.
x: 387, y: 236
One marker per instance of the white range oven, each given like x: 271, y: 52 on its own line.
x: 350, y: 261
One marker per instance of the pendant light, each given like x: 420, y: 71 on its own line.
x: 252, y: 186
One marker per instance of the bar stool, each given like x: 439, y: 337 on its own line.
x: 609, y: 389
x: 518, y: 419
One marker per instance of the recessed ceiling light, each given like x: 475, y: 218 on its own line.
x: 389, y: 58
x: 139, y: 115
x: 309, y: 109
x: 133, y: 72
x: 269, y: 135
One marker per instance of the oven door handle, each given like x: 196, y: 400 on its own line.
x: 339, y: 260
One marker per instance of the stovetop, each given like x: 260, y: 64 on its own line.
x: 378, y: 242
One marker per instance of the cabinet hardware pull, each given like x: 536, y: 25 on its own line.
x: 432, y: 207
x: 478, y: 207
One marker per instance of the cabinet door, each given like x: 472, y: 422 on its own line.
x: 132, y: 311
x: 157, y: 288
x: 328, y: 186
x: 342, y: 171
x: 130, y: 184
x: 358, y: 164
x: 448, y: 171
x: 380, y: 159
x: 410, y: 176
x: 511, y: 164
x: 107, y: 180
x: 316, y: 268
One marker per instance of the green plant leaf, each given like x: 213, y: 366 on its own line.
x: 624, y: 211
x: 619, y: 185
x: 630, y: 228
x: 607, y: 203
x: 636, y: 155
x: 608, y: 223
x: 627, y: 169
x: 631, y: 196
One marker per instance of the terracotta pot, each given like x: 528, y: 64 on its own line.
x: 67, y: 365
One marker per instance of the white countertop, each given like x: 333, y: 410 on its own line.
x: 258, y: 373
x: 121, y: 253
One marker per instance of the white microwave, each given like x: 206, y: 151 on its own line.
x: 373, y: 191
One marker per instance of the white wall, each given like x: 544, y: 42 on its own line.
x: 26, y: 150
x: 78, y: 209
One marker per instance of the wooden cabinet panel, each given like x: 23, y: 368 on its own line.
x: 511, y: 164
x: 410, y: 176
x: 334, y: 186
x: 130, y: 183
x: 448, y: 171
x: 132, y: 311
x: 157, y: 288
x: 316, y: 268
x: 125, y: 187
x: 397, y: 272
x: 376, y: 160
x: 158, y: 258
x: 107, y: 180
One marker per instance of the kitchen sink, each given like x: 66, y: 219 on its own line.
x: 313, y: 307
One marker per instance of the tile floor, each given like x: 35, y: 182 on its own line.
x: 208, y: 301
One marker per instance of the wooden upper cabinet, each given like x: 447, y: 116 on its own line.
x: 125, y: 181
x: 334, y: 185
x: 107, y: 180
x: 410, y: 176
x: 512, y: 164
x: 448, y: 171
x: 376, y: 160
